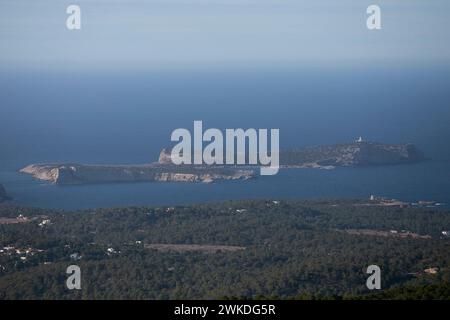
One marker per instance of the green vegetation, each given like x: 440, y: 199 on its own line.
x: 293, y: 249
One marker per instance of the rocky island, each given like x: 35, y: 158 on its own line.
x: 359, y: 153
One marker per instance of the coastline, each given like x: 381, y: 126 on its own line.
x: 409, y: 183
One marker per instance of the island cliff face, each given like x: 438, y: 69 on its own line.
x: 325, y: 157
x: 3, y: 195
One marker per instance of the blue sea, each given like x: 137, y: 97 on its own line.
x: 119, y: 118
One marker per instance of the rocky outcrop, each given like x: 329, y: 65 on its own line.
x: 165, y: 157
x: 3, y: 195
x: 45, y: 172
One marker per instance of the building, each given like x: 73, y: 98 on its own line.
x: 433, y: 270
x: 75, y: 256
x: 44, y: 222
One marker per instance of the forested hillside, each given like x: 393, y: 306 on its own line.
x: 270, y: 248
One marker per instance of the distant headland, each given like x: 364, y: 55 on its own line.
x: 358, y: 153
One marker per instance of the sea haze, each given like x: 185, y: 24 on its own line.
x: 127, y: 118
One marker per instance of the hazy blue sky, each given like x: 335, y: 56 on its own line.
x: 147, y: 34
